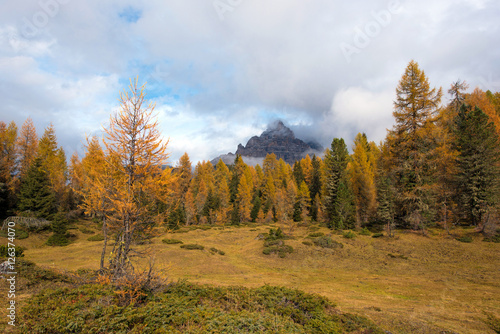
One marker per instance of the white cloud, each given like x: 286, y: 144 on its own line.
x: 223, y: 80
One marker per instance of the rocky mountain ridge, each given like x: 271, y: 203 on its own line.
x: 277, y: 139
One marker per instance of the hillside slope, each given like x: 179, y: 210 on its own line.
x: 410, y: 284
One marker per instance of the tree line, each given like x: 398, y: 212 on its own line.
x: 438, y: 165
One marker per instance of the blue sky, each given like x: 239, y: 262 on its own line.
x: 220, y: 71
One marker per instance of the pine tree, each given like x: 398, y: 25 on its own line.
x: 315, y: 187
x: 298, y: 174
x: 337, y: 195
x: 478, y: 177
x: 36, y: 197
x: 411, y: 144
x: 53, y: 161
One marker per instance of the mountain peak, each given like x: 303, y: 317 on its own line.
x: 278, y: 129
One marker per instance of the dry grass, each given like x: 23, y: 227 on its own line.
x: 410, y: 284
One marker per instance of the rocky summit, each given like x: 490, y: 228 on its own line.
x: 277, y: 139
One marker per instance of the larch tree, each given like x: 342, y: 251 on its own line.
x: 362, y: 171
x: 415, y: 109
x: 136, y: 154
x: 244, y: 199
x: 479, y: 99
x: 94, y: 180
x: 27, y: 146
x: 8, y: 166
x: 222, y: 177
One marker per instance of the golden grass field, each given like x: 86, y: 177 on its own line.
x: 409, y: 284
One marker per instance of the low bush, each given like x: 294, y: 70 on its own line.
x: 4, y: 251
x: 307, y: 243
x: 281, y: 250
x: 95, y: 308
x: 58, y: 240
x: 365, y: 231
x: 397, y: 256
x: 493, y: 238
x: 327, y: 242
x: 19, y: 234
x: 315, y: 235
x: 171, y: 241
x: 466, y: 239
x: 97, y: 237
x: 377, y: 235
x: 274, y: 243
x: 193, y: 247
x: 86, y: 230
x: 349, y: 235
x: 217, y: 251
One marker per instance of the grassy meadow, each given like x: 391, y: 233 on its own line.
x: 407, y: 284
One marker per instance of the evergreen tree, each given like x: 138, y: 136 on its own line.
x: 36, y: 196
x: 298, y: 173
x: 337, y: 196
x: 53, y: 160
x: 59, y: 227
x: 411, y: 144
x: 478, y: 174
x: 315, y: 187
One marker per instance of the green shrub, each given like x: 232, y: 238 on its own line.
x: 495, y: 238
x: 275, y: 234
x: 181, y: 230
x: 57, y: 239
x: 327, y: 242
x: 349, y: 235
x: 97, y: 237
x: 315, y: 235
x: 217, y: 251
x: 20, y: 234
x: 94, y: 308
x: 397, y: 256
x: 281, y: 250
x: 377, y: 235
x: 85, y: 230
x: 192, y: 247
x: 307, y: 243
x: 4, y: 251
x: 365, y: 231
x: 171, y: 241
x: 465, y: 238
x: 274, y: 243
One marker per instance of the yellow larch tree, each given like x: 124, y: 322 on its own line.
x: 27, y: 146
x: 136, y: 154
x: 362, y: 169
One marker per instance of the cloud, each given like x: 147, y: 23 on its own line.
x: 219, y: 80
